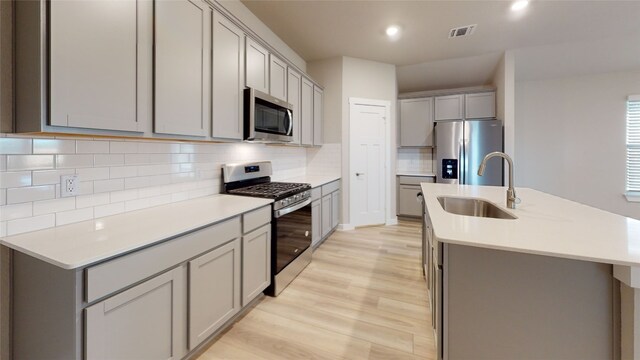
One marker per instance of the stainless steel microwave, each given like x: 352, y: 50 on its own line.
x: 266, y: 118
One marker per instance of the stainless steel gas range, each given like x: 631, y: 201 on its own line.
x: 290, y: 221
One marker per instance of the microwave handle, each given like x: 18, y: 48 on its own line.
x: 290, y: 117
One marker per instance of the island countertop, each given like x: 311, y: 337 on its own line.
x: 545, y: 225
x: 77, y: 245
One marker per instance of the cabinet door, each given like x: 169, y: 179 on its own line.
x: 480, y: 106
x: 317, y: 116
x: 256, y: 263
x: 294, y: 83
x: 449, y: 107
x: 335, y: 209
x: 94, y: 64
x: 306, y: 112
x: 214, y: 290
x: 277, y: 78
x: 316, y: 222
x: 407, y: 200
x: 228, y: 79
x: 182, y: 36
x: 144, y: 322
x: 416, y: 122
x: 326, y: 215
x: 257, y: 66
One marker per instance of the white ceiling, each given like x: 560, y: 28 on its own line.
x: 320, y: 29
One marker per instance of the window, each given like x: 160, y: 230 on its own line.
x: 633, y: 148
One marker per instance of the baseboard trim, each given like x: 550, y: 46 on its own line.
x: 346, y: 227
x: 392, y: 221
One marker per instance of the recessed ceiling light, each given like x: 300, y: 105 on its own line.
x: 519, y: 5
x: 393, y: 31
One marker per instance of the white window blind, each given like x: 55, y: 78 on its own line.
x: 633, y: 145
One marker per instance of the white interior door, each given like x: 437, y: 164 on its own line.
x: 367, y: 163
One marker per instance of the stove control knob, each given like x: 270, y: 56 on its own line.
x: 283, y: 202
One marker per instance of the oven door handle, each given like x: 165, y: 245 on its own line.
x: 287, y: 210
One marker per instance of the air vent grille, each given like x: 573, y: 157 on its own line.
x: 462, y: 31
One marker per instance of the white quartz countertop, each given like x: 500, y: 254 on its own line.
x: 77, y: 245
x: 414, y: 173
x: 546, y: 225
x: 314, y: 180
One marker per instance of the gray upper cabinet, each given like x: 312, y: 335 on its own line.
x: 214, y: 290
x: 294, y: 85
x: 480, y: 105
x: 449, y: 107
x: 257, y: 66
x: 277, y: 78
x: 228, y: 79
x: 93, y: 65
x: 182, y: 67
x: 256, y: 263
x: 317, y: 116
x: 416, y: 122
x: 154, y: 311
x: 306, y: 112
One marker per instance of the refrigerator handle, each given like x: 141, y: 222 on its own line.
x: 461, y: 173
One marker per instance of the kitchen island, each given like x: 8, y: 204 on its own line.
x: 540, y: 285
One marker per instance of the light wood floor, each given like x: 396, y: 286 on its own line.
x: 362, y: 297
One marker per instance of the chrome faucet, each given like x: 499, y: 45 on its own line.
x: 512, y: 200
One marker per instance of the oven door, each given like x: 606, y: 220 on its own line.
x: 292, y: 234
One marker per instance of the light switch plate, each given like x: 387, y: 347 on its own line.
x: 69, y: 185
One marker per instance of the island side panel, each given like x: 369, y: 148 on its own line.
x: 47, y: 316
x: 511, y: 305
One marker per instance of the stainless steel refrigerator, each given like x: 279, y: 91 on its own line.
x: 460, y: 147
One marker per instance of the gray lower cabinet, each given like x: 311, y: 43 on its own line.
x: 335, y: 209
x: 228, y: 79
x: 326, y: 215
x: 182, y: 67
x: 214, y: 290
x: 256, y: 269
x: 407, y: 192
x: 316, y: 222
x: 144, y: 322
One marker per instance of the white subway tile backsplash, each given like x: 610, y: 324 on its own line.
x: 95, y: 173
x: 29, y: 162
x: 108, y: 210
x: 15, y: 179
x: 71, y: 216
x: 118, y: 176
x: 101, y: 186
x: 54, y: 146
x: 15, y: 146
x: 30, y: 224
x: 84, y: 201
x: 123, y: 147
x: 49, y: 177
x: 17, y: 211
x: 92, y: 147
x: 108, y: 159
x: 32, y: 193
x: 118, y: 172
x: 73, y: 161
x: 53, y: 206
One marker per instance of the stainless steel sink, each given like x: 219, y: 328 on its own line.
x: 473, y: 207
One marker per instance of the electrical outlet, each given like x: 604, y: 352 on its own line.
x: 69, y: 185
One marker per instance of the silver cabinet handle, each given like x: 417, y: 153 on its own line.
x: 358, y: 174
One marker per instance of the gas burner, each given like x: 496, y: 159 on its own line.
x: 273, y: 190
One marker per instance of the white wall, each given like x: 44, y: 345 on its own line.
x: 504, y: 81
x: 570, y: 138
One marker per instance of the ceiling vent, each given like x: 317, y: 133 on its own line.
x: 462, y: 31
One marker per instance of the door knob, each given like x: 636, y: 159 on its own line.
x: 358, y: 174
